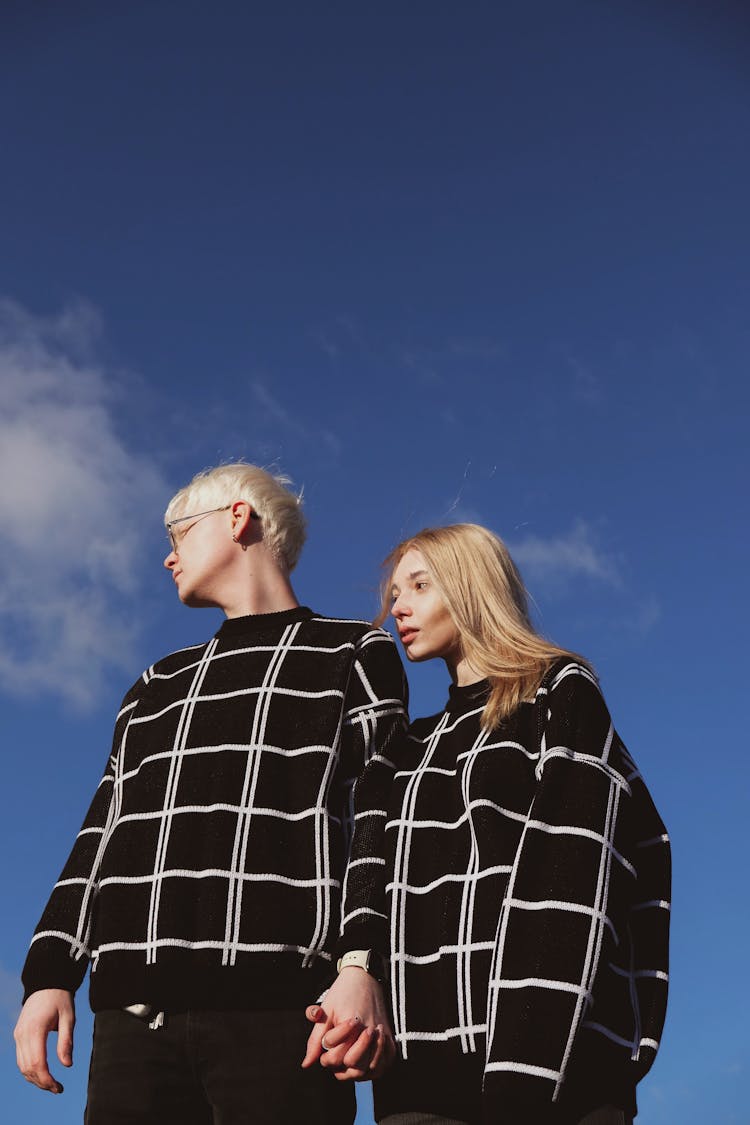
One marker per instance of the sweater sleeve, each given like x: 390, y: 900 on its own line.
x: 60, y: 949
x: 374, y: 721
x: 569, y: 893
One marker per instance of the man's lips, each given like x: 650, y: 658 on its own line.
x: 407, y: 635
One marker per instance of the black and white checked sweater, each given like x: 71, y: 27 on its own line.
x: 529, y: 881
x: 210, y: 869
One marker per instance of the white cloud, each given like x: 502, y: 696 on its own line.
x: 277, y: 414
x: 646, y: 615
x: 560, y: 558
x: 586, y: 384
x: 72, y: 509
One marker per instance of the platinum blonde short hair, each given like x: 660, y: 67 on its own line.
x: 282, y: 521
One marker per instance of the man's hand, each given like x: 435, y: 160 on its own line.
x: 50, y: 1009
x: 352, y: 1035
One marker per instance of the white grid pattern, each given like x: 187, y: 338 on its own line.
x: 228, y: 806
x: 523, y: 872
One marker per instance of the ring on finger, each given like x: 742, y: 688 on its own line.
x: 323, y: 1043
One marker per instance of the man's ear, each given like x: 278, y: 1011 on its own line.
x: 243, y: 521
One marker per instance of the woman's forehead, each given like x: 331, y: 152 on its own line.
x: 411, y: 563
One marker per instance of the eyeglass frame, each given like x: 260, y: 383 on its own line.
x: 196, y: 516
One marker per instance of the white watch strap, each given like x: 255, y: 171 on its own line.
x: 358, y: 957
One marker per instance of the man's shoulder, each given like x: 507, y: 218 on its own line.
x: 173, y: 662
x: 356, y: 630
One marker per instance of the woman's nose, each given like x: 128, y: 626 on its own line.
x: 399, y: 608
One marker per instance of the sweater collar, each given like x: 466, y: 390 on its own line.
x: 260, y: 622
x: 467, y: 698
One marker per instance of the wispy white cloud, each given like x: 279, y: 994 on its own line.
x: 479, y: 347
x: 279, y: 415
x: 587, y: 384
x: 423, y: 365
x: 646, y: 615
x: 560, y: 558
x: 455, y: 506
x: 327, y: 343
x: 464, y: 358
x: 71, y: 508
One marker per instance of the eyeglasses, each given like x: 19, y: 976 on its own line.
x: 173, y: 538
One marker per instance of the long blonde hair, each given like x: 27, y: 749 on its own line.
x: 483, y: 590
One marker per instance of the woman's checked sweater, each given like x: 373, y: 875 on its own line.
x: 528, y: 886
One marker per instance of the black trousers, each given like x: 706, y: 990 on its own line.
x: 210, y: 1068
x: 607, y: 1115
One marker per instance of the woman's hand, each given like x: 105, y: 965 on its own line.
x: 352, y: 1034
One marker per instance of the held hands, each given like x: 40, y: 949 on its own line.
x: 50, y: 1009
x: 352, y: 1035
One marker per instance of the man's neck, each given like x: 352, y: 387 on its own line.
x: 272, y: 594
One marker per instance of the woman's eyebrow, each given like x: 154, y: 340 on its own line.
x: 410, y: 578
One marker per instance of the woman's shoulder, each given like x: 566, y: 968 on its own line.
x: 570, y: 685
x: 571, y: 671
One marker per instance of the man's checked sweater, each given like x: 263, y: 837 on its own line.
x: 529, y: 881
x: 210, y: 869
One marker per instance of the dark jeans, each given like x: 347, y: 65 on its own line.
x: 210, y: 1068
x: 607, y: 1115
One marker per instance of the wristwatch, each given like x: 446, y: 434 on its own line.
x: 368, y: 959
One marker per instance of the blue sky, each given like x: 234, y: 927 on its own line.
x: 440, y: 261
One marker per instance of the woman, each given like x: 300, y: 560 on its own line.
x: 528, y: 868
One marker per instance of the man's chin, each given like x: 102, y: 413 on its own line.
x: 193, y: 600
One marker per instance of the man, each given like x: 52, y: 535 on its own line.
x: 207, y: 886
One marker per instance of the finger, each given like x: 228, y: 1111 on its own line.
x: 391, y: 1053
x: 352, y: 1074
x: 315, y: 1013
x: 348, y: 1075
x: 337, y: 1042
x: 65, y: 1038
x: 342, y: 1032
x: 390, y: 1050
x: 384, y: 1054
x: 314, y: 1042
x: 379, y: 1060
x: 377, y: 1054
x: 360, y: 1053
x: 31, y: 1056
x: 37, y: 1073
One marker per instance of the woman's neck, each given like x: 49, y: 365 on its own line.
x: 461, y: 671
